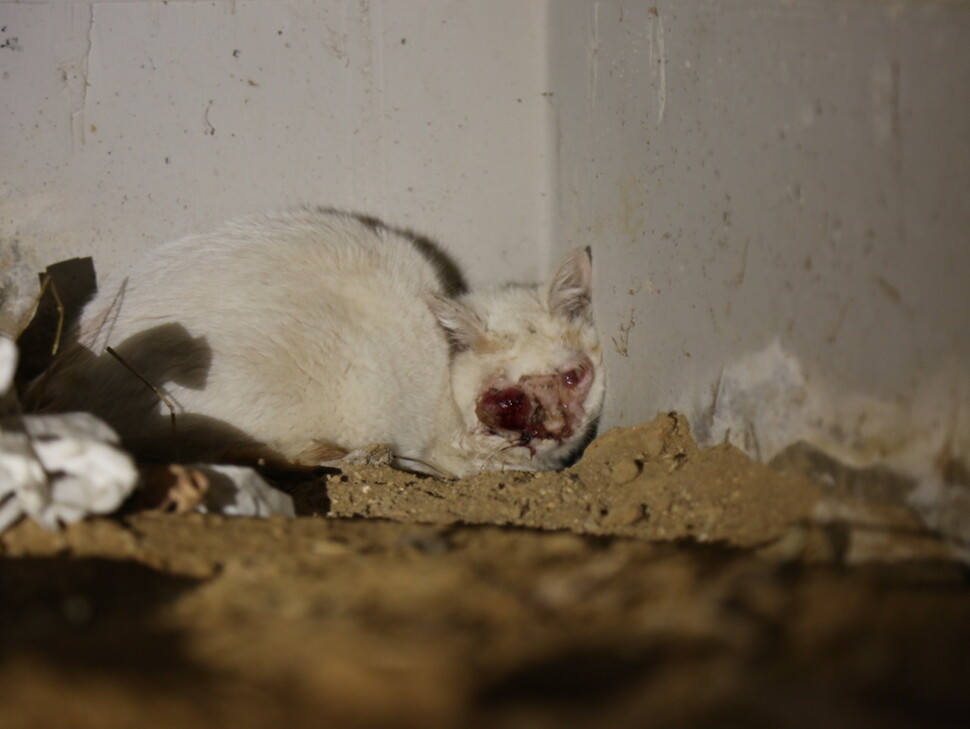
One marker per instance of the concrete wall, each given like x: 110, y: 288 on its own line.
x: 130, y: 123
x: 777, y: 194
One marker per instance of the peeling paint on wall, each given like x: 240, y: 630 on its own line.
x: 765, y: 401
x: 18, y: 288
x: 74, y: 72
x: 658, y: 61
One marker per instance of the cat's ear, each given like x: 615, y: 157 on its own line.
x: 462, y: 326
x: 570, y: 289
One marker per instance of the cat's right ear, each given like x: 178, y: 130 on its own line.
x: 570, y: 290
x: 461, y: 325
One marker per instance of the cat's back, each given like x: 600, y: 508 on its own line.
x: 323, y: 242
x: 295, y: 327
x: 300, y: 265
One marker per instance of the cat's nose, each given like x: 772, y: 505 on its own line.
x: 550, y: 417
x: 555, y: 424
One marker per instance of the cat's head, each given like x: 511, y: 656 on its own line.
x: 526, y: 368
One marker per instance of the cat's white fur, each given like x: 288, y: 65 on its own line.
x: 306, y: 334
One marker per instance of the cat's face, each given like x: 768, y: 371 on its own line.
x: 526, y: 369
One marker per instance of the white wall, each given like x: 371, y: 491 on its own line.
x: 778, y: 194
x: 129, y: 123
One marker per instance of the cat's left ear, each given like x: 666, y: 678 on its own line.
x: 570, y: 290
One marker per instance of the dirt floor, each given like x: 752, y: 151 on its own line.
x: 653, y: 584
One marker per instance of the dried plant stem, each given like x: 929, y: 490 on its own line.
x: 158, y: 393
x: 47, y: 281
x: 60, y: 316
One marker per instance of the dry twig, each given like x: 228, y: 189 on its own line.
x: 158, y: 393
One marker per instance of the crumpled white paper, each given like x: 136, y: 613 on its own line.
x: 8, y: 363
x: 57, y: 469
x: 240, y: 491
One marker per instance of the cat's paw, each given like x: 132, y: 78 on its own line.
x: 377, y: 454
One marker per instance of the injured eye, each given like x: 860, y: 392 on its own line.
x: 573, y: 377
x: 508, y: 409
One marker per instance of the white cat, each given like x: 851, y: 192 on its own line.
x: 299, y: 337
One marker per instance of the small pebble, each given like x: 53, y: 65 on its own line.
x: 623, y: 515
x: 624, y: 471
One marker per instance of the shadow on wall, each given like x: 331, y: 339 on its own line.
x: 448, y: 271
x: 125, y: 391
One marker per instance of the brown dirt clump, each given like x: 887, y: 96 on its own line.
x: 650, y: 481
x: 655, y: 583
